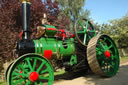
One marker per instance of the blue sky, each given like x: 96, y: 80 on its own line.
x: 104, y: 10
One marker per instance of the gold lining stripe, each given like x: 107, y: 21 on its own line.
x: 41, y: 47
x: 36, y: 45
x: 59, y: 50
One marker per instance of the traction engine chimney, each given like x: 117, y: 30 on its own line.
x: 26, y: 19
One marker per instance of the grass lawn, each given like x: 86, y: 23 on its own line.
x: 3, y: 83
x: 124, y: 58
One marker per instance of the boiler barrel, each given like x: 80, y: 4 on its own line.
x: 60, y: 49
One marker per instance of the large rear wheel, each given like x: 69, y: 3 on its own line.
x: 102, y: 55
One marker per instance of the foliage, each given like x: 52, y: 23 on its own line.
x: 73, y: 9
x: 11, y: 22
x: 118, y: 29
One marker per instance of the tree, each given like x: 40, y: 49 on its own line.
x: 11, y: 22
x: 118, y: 29
x: 73, y: 9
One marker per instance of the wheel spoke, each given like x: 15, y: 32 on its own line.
x: 110, y: 47
x: 29, y: 64
x: 18, y: 81
x: 84, y: 39
x: 99, y: 49
x: 19, y: 74
x: 41, y: 77
x: 16, y: 70
x: 14, y: 77
x: 40, y: 67
x: 104, y: 39
x: 34, y: 65
x: 80, y: 32
x: 91, y: 30
x: 101, y: 44
x: 79, y: 22
x: 43, y: 71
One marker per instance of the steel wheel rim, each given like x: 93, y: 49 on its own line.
x: 6, y: 72
x: 46, y: 76
x: 87, y: 31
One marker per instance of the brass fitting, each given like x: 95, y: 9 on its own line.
x: 26, y: 0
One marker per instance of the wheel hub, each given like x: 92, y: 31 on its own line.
x: 107, y: 54
x: 33, y: 76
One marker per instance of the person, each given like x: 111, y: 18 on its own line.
x: 44, y: 20
x: 41, y: 29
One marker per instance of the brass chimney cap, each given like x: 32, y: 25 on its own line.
x: 26, y: 0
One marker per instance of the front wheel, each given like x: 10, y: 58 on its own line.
x: 31, y: 69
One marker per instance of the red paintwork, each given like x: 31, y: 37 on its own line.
x: 33, y: 76
x: 107, y: 54
x: 20, y: 75
x: 72, y: 35
x: 61, y: 30
x: 53, y: 29
x: 48, y: 54
x: 64, y: 34
x: 21, y: 33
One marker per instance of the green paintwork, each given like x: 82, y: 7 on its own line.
x: 50, y: 32
x: 58, y: 50
x: 73, y: 60
x: 110, y: 65
x: 30, y: 63
x: 87, y: 31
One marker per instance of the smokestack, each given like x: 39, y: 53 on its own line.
x: 26, y: 19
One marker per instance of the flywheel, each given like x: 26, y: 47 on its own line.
x: 84, y: 31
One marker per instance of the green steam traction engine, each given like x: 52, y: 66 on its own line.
x: 81, y: 50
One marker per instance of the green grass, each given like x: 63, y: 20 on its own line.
x: 124, y: 58
x: 3, y: 83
